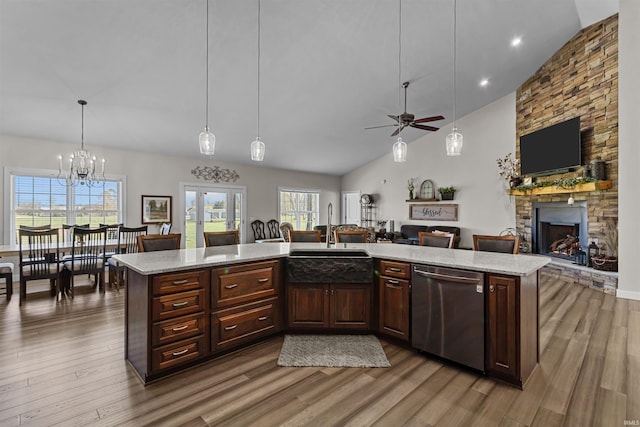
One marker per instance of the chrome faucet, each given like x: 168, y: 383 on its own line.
x: 329, y: 213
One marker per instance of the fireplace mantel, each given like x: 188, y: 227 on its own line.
x: 579, y: 188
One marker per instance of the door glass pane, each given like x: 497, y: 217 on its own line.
x: 215, y: 211
x: 237, y: 217
x: 190, y: 218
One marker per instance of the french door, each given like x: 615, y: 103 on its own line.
x: 212, y: 208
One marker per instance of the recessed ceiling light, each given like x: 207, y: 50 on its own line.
x: 484, y: 82
x: 516, y: 41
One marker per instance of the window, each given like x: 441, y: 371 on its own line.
x: 300, y: 208
x: 37, y: 198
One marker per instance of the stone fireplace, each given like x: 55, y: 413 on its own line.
x: 559, y: 229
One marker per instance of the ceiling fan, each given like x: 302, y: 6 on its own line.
x: 405, y: 119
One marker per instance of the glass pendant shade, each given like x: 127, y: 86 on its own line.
x: 455, y: 140
x: 207, y: 142
x: 257, y: 150
x: 400, y: 151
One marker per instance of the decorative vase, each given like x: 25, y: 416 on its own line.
x: 514, y: 181
x: 446, y: 196
x: 410, y: 194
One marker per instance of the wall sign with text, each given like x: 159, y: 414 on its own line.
x: 434, y: 212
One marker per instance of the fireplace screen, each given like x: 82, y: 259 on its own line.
x: 560, y: 240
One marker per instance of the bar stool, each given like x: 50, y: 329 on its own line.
x: 6, y: 273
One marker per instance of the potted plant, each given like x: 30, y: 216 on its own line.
x: 509, y: 168
x: 446, y: 193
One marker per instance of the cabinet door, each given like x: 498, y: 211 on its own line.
x: 394, y: 307
x: 350, y: 306
x: 503, y: 324
x: 308, y: 306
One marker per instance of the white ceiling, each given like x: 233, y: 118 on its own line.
x: 329, y: 69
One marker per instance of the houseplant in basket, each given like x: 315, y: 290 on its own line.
x: 609, y: 262
x: 446, y: 193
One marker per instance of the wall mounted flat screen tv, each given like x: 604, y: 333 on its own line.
x: 553, y: 149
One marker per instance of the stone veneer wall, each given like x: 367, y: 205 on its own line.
x: 581, y: 79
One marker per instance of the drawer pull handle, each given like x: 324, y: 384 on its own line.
x: 492, y: 288
x: 180, y: 304
x: 263, y: 280
x: 394, y: 269
x: 235, y: 285
x: 180, y: 353
x: 180, y: 328
x: 262, y: 318
x: 180, y: 282
x: 229, y: 328
x: 392, y: 282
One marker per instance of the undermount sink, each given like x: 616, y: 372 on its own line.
x: 329, y: 266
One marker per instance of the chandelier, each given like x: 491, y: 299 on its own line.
x: 206, y: 139
x: 82, y: 166
x: 455, y: 140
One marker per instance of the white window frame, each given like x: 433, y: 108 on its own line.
x: 9, y: 217
x: 299, y: 190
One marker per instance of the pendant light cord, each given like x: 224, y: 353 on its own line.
x: 400, y: 54
x: 82, y: 132
x: 206, y: 119
x: 259, y: 67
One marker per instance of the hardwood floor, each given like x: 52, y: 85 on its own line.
x: 62, y: 364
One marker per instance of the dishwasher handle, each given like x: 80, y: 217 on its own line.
x: 446, y: 277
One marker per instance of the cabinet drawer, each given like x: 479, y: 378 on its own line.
x: 178, y: 282
x: 230, y: 329
x: 251, y: 283
x: 395, y: 269
x: 178, y: 353
x: 169, y: 306
x: 177, y: 329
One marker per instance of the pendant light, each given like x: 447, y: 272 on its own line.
x: 455, y: 139
x: 206, y: 138
x: 82, y: 165
x: 257, y: 146
x: 399, y: 147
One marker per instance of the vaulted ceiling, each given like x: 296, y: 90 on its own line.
x: 329, y: 68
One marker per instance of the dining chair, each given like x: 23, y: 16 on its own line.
x: 39, y: 252
x: 274, y: 228
x: 351, y: 236
x: 437, y: 240
x: 35, y: 227
x: 258, y: 230
x: 67, y: 231
x: 127, y: 244
x: 165, y: 229
x: 285, y: 229
x: 506, y: 244
x: 305, y: 236
x: 158, y: 242
x: 87, y: 255
x: 112, y: 230
x: 6, y: 273
x: 221, y: 238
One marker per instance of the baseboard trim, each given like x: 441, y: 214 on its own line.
x: 628, y: 294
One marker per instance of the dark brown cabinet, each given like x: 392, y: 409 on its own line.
x: 322, y: 306
x: 512, y: 328
x: 393, y: 299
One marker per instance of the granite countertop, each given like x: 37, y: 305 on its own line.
x: 185, y: 259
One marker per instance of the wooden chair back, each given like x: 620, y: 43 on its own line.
x: 39, y: 252
x: 436, y: 240
x: 112, y: 230
x: 304, y: 236
x: 258, y: 230
x: 274, y: 228
x: 158, y: 242
x: 351, y: 236
x: 88, y: 250
x: 128, y: 239
x: 221, y: 238
x: 285, y: 229
x: 505, y: 244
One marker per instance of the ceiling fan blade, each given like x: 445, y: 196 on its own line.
x: 396, y: 118
x: 429, y: 119
x: 385, y: 126
x: 398, y: 130
x: 431, y: 128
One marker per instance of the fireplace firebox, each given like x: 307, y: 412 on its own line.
x: 560, y: 240
x: 559, y: 230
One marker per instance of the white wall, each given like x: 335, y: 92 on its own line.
x: 628, y: 147
x: 483, y: 204
x: 155, y: 174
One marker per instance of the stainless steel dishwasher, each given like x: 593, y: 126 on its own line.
x: 447, y: 314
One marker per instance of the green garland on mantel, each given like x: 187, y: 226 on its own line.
x: 560, y: 183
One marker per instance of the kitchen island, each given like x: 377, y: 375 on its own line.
x: 187, y: 306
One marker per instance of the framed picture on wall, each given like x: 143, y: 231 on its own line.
x: 156, y: 209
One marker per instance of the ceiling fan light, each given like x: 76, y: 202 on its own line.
x: 400, y: 151
x: 207, y: 142
x: 257, y: 150
x: 455, y: 140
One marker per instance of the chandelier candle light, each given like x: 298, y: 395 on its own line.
x: 206, y: 138
x: 82, y: 166
x: 454, y: 140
